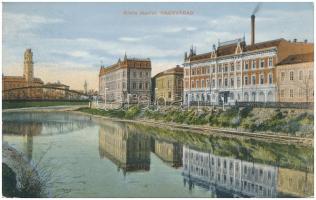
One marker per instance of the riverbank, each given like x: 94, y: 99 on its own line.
x: 135, y: 115
x: 25, y: 104
x: 21, y: 178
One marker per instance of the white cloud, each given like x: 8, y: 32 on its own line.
x: 130, y: 39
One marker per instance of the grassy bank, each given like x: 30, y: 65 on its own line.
x: 25, y: 104
x: 291, y: 122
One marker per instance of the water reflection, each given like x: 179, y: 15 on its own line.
x: 129, y: 147
x: 43, y: 123
x: 229, y: 177
x: 168, y: 152
x: 126, y: 148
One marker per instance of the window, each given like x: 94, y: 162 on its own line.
x: 262, y: 63
x: 226, y: 82
x: 282, y: 93
x: 134, y: 74
x: 134, y: 85
x: 253, y: 80
x: 261, y: 79
x: 232, y: 82
x: 238, y: 81
x: 232, y: 68
x: 291, y: 93
x: 197, y: 84
x: 270, y: 79
x: 291, y: 76
x: 246, y: 80
x: 140, y: 86
x: 169, y: 94
x: 270, y: 62
x: 300, y: 77
x: 246, y: 66
x: 238, y: 66
x: 300, y: 92
x: 192, y: 84
x: 207, y: 83
x: 219, y: 82
x: 220, y: 68
x: 193, y: 71
x: 202, y: 83
x: 226, y: 68
x: 146, y: 85
x: 147, y: 74
x: 213, y: 83
x: 310, y: 74
x: 282, y: 76
x: 123, y: 73
x: 253, y: 64
x: 213, y: 68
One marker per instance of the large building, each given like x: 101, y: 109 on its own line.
x: 169, y: 152
x: 130, y: 77
x: 234, y: 71
x: 296, y: 78
x: 169, y: 84
x: 28, y: 79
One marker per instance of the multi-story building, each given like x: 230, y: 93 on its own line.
x: 241, y: 178
x: 131, y: 76
x: 296, y: 78
x: 57, y: 91
x: 169, y: 84
x: 234, y: 71
x: 28, y: 79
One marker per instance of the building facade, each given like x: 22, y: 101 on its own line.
x: 130, y: 77
x: 28, y: 79
x: 235, y: 71
x: 169, y: 84
x: 296, y: 78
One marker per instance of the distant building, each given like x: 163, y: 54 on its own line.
x: 131, y: 76
x: 55, y: 93
x: 169, y: 84
x: 28, y: 79
x: 234, y: 71
x: 296, y: 78
x: 85, y: 86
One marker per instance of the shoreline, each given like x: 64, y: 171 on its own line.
x: 203, y: 130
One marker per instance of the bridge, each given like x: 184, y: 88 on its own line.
x: 21, y: 93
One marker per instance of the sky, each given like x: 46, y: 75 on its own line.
x: 71, y: 40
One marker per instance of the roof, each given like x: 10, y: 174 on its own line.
x: 126, y: 63
x: 176, y: 70
x: 264, y: 45
x: 230, y: 49
x: 298, y: 58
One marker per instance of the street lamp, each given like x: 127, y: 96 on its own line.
x: 128, y: 95
x: 105, y: 97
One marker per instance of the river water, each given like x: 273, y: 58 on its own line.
x: 90, y: 157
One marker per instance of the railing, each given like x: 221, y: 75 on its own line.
x: 295, y: 105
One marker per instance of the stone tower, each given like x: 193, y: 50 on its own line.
x: 28, y: 66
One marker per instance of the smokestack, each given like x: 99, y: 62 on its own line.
x: 252, y: 29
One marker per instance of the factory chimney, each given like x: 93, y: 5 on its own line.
x: 252, y: 29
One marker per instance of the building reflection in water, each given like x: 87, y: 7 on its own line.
x: 229, y: 177
x: 169, y: 152
x: 127, y: 149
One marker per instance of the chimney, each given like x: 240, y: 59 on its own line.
x: 252, y: 29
